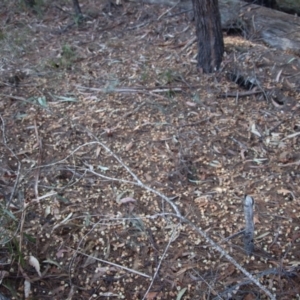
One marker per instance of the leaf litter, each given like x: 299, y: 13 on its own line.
x: 89, y: 227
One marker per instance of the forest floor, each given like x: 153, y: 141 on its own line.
x: 117, y: 157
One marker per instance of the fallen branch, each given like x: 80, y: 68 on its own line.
x: 131, y: 90
x: 112, y: 264
x: 177, y: 214
x: 239, y: 94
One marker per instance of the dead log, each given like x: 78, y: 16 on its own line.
x: 289, y: 6
x: 274, y: 28
x: 273, y: 74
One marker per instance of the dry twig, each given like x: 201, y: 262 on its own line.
x: 177, y: 214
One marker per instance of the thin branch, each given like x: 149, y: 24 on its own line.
x: 240, y: 94
x: 112, y: 264
x: 196, y: 228
x: 160, y: 262
x: 3, y: 130
x: 168, y: 10
x: 19, y: 164
x: 132, y: 90
x: 37, y: 172
x: 229, y: 258
x: 138, y: 182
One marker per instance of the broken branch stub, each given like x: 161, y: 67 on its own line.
x: 249, y: 228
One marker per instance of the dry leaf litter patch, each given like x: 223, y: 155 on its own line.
x: 80, y: 105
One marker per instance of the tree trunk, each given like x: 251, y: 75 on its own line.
x: 29, y: 3
x: 77, y: 9
x: 209, y: 34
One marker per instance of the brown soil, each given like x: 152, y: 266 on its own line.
x: 105, y: 123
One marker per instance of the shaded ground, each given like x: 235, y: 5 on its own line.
x: 82, y: 105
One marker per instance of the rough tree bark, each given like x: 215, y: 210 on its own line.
x: 29, y: 3
x: 77, y: 8
x: 209, y: 34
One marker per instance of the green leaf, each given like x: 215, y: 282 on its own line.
x: 181, y: 293
x: 42, y: 101
x: 65, y: 99
x: 9, y: 213
x: 30, y: 238
x: 102, y: 168
x: 21, y: 116
x: 63, y: 199
x: 52, y: 262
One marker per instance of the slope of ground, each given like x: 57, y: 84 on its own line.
x: 106, y: 126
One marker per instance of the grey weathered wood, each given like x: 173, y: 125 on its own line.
x: 249, y: 225
x: 289, y: 5
x: 2, y: 297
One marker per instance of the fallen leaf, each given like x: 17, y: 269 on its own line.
x: 35, y: 263
x: 60, y: 253
x: 181, y: 293
x: 283, y: 192
x: 27, y: 288
x: 3, y: 274
x: 129, y: 146
x: 126, y: 200
x: 153, y: 295
x: 189, y: 103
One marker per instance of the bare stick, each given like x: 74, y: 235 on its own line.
x: 132, y: 90
x: 113, y: 264
x: 178, y: 214
x: 19, y: 164
x: 199, y: 230
x: 160, y: 261
x: 229, y: 258
x: 240, y: 94
x: 37, y: 172
x: 168, y: 10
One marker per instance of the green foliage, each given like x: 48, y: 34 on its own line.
x: 67, y: 52
x: 8, y: 224
x: 68, y: 56
x: 35, y: 5
x: 66, y: 59
x: 144, y: 76
x: 15, y: 251
x: 168, y: 76
x: 2, y: 35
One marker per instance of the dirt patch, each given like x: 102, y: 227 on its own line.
x: 106, y: 126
